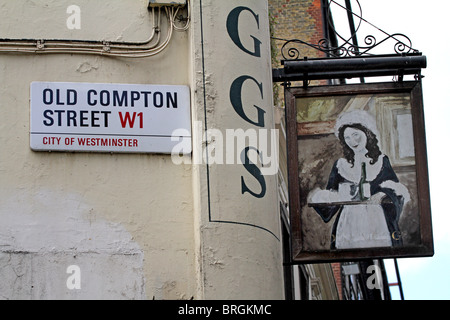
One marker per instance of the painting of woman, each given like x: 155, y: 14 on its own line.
x: 363, y: 191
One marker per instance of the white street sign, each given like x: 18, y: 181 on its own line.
x: 99, y: 117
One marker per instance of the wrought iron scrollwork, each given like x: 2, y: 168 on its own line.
x: 291, y: 49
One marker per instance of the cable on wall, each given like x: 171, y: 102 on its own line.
x: 150, y: 47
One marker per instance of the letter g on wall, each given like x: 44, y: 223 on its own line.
x: 233, y: 31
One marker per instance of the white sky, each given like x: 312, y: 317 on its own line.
x: 425, y: 25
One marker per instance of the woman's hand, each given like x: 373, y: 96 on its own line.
x: 376, y: 198
x: 326, y: 196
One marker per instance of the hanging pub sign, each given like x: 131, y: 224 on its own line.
x: 358, y: 178
x: 99, y: 117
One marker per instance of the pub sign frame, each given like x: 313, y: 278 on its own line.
x: 326, y: 201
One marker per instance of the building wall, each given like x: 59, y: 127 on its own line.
x: 138, y: 226
x: 298, y: 19
x: 125, y: 219
x: 237, y: 210
x: 303, y: 20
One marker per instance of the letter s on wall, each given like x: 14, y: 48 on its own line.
x: 255, y: 172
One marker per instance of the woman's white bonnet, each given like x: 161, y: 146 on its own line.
x: 354, y: 117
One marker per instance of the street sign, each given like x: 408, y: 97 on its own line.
x: 99, y: 117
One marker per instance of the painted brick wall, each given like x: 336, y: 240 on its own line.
x: 298, y: 19
x: 338, y: 277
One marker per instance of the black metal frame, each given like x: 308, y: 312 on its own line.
x: 337, y: 68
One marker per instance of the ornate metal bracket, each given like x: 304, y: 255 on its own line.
x: 290, y: 50
x: 402, y: 45
x: 348, y: 60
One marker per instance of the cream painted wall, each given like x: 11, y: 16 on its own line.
x: 237, y: 233
x: 113, y: 20
x: 138, y: 226
x: 125, y: 219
